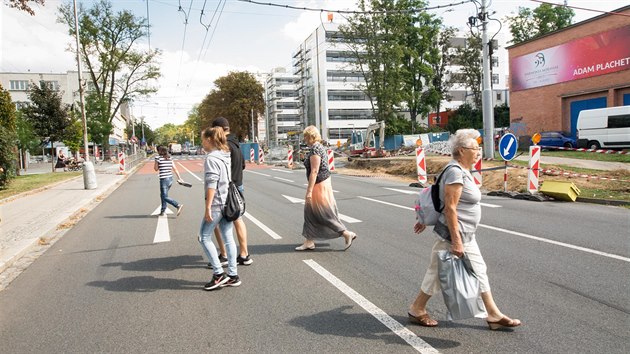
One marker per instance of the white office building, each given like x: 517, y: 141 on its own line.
x: 68, y: 84
x: 282, y: 108
x: 499, y: 79
x: 328, y: 88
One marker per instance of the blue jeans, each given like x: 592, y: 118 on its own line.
x: 165, y: 185
x: 205, y: 238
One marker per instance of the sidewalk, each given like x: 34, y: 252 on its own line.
x: 28, y: 218
x: 592, y: 164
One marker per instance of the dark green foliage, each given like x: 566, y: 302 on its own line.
x: 234, y: 98
x: 546, y: 18
x: 8, y: 137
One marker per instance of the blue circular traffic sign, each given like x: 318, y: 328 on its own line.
x: 508, y: 146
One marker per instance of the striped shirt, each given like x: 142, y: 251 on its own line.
x: 165, y: 167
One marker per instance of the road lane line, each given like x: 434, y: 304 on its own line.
x: 416, y: 192
x: 257, y: 173
x: 408, y: 336
x: 387, y: 203
x: 343, y: 217
x: 264, y: 227
x: 402, y: 190
x: 490, y: 205
x: 161, y: 231
x: 557, y: 243
x: 283, y: 171
x: 284, y: 179
x: 579, y: 248
x: 184, y: 167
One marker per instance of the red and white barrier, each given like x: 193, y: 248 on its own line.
x: 331, y: 160
x: 421, y: 165
x: 251, y: 155
x: 534, y: 169
x: 600, y: 151
x: 261, y: 157
x: 476, y: 173
x: 121, y: 162
x: 290, y: 158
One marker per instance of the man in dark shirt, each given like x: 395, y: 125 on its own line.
x: 238, y: 165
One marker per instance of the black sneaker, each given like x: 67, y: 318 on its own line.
x: 244, y: 260
x: 217, y: 282
x: 232, y: 281
x: 222, y: 259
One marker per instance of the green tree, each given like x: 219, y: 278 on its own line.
x: 373, y: 40
x: 8, y: 137
x: 546, y: 18
x: 502, y: 116
x: 166, y: 134
x: 47, y: 114
x: 420, y: 31
x: 73, y: 136
x: 442, y: 82
x: 26, y: 138
x: 466, y: 116
x: 234, y: 98
x: 118, y: 70
x: 97, y: 118
x: 24, y: 5
x: 470, y: 75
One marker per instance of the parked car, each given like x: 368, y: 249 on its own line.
x: 192, y: 150
x: 556, y: 139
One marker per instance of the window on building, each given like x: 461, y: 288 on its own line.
x: 344, y: 57
x: 291, y: 93
x: 494, y: 61
x: 499, y: 96
x: 284, y: 81
x: 340, y: 114
x: 344, y: 76
x: 287, y: 105
x: 495, y: 79
x: 18, y: 85
x: 20, y: 105
x: 52, y: 84
x: 337, y: 95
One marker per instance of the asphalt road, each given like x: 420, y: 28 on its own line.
x: 562, y: 268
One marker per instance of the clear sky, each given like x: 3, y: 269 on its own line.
x: 247, y: 36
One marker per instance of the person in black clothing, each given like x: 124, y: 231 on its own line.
x: 238, y: 165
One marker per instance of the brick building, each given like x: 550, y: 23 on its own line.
x: 583, y: 66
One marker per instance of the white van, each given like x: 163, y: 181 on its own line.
x: 176, y: 149
x: 607, y: 128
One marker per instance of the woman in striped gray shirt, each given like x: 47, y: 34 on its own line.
x: 166, y: 167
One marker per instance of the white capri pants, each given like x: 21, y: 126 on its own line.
x: 431, y: 281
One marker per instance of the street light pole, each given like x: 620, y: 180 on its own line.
x: 89, y: 176
x: 487, y: 106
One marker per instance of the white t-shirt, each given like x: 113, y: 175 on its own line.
x: 468, y: 208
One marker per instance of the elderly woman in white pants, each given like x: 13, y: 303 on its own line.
x: 456, y: 228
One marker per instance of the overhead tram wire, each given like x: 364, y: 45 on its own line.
x: 214, y: 28
x: 582, y: 8
x: 352, y: 12
x: 181, y: 58
x: 203, y: 43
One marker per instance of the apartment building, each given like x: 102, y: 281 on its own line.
x: 283, y: 113
x: 17, y: 83
x: 328, y: 89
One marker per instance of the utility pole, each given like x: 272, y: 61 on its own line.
x: 486, y: 98
x: 252, y: 125
x: 89, y: 176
